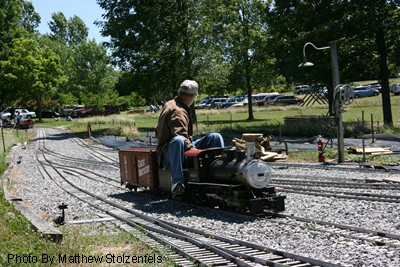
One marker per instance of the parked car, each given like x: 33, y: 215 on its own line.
x: 201, y: 104
x: 364, y: 91
x: 109, y: 110
x: 216, y: 102
x: 50, y: 114
x: 285, y: 100
x: 5, y: 114
x: 231, y: 101
x: 26, y: 114
x: 302, y: 89
x: 68, y: 109
x: 395, y: 89
x: 88, y: 112
x: 268, y: 100
x: 81, y: 113
x: 260, y: 100
x: 376, y: 86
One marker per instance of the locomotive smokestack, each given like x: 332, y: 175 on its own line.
x: 250, y: 150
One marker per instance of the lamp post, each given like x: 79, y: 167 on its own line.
x: 336, y: 106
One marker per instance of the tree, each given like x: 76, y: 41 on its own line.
x: 161, y: 43
x: 89, y: 70
x: 33, y: 72
x: 379, y: 21
x: 17, y: 19
x: 84, y: 61
x: 59, y: 27
x: 245, y: 45
x: 71, y: 32
x: 360, y: 29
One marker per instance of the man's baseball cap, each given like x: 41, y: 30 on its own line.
x: 189, y: 87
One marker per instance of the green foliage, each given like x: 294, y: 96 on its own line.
x: 363, y: 31
x: 233, y: 47
x: 89, y: 71
x: 17, y: 20
x: 168, y: 41
x: 91, y: 80
x: 71, y: 32
x: 33, y: 72
x: 135, y: 100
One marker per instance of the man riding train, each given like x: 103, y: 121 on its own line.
x: 174, y: 133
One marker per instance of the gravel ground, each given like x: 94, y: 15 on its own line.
x: 44, y: 196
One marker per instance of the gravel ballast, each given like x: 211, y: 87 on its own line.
x: 44, y: 196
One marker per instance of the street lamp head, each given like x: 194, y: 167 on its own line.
x: 305, y: 63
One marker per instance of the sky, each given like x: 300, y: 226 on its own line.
x: 88, y: 10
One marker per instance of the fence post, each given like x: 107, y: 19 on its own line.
x: 362, y: 120
x: 4, y: 144
x: 372, y: 128
x: 363, y: 150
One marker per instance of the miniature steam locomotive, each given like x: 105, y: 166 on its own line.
x: 227, y: 178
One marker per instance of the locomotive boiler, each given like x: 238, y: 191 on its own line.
x: 227, y: 178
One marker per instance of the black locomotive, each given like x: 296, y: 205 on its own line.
x: 227, y: 178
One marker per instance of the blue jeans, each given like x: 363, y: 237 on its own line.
x: 174, y: 157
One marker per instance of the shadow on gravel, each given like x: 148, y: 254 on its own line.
x: 59, y: 136
x: 150, y: 204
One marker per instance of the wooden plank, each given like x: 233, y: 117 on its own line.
x: 369, y: 150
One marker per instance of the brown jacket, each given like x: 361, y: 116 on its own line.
x: 175, y: 119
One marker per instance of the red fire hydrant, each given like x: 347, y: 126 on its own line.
x: 321, y: 157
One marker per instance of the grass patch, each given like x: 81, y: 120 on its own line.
x: 22, y: 246
x: 268, y: 120
x: 18, y: 239
x: 8, y: 138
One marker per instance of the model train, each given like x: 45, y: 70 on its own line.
x: 228, y: 178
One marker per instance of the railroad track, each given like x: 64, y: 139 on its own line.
x: 200, y: 247
x: 309, y: 186
x: 96, y: 151
x: 326, y: 166
x: 378, y: 238
x: 343, y: 184
x: 340, y: 194
x: 98, y: 161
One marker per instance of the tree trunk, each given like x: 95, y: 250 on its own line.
x: 249, y: 94
x: 384, y: 78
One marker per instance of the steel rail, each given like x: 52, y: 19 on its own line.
x: 84, y: 172
x: 81, y: 143
x: 341, y: 194
x: 96, y: 154
x: 149, y: 229
x: 84, y: 161
x: 75, y: 191
x: 231, y: 255
x: 325, y: 166
x: 376, y: 186
x: 391, y: 239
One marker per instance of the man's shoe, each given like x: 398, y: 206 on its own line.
x: 178, y: 191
